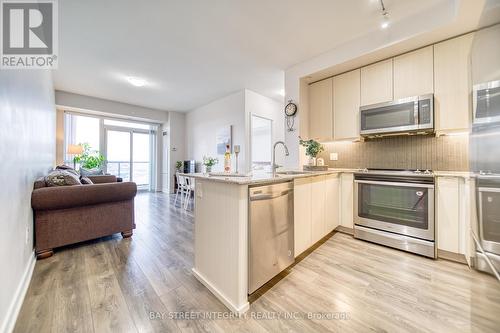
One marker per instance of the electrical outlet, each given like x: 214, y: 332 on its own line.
x: 334, y: 156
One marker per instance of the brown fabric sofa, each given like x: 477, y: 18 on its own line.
x: 71, y: 214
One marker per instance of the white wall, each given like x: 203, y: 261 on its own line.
x: 70, y: 101
x: 27, y: 151
x: 173, y: 147
x: 203, y: 123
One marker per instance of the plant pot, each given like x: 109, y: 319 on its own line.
x: 312, y: 161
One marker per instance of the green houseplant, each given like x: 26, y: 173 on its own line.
x: 89, y: 159
x: 209, y: 162
x: 313, y: 148
x: 178, y: 166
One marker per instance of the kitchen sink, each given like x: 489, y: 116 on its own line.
x: 292, y: 172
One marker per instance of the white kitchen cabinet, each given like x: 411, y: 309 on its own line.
x: 376, y: 83
x: 447, y: 213
x: 453, y: 217
x: 452, y: 84
x: 332, y: 198
x: 346, y: 200
x: 485, y: 55
x: 414, y: 73
x: 318, y: 217
x: 346, y: 100
x: 302, y: 214
x: 316, y: 209
x: 320, y: 110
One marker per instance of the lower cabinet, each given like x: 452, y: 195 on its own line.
x: 453, y: 217
x: 346, y: 200
x: 332, y: 202
x: 318, y: 218
x: 316, y: 209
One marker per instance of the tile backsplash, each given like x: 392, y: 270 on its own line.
x: 445, y: 153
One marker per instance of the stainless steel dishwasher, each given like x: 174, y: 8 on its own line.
x: 271, y: 232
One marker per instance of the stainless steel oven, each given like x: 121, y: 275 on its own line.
x: 403, y: 116
x: 486, y: 102
x: 488, y: 208
x: 396, y: 209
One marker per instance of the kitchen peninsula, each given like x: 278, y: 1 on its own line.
x: 222, y: 225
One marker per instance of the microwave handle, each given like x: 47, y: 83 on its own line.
x: 415, y: 112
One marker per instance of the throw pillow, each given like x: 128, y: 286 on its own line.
x: 86, y: 181
x: 67, y: 168
x: 91, y: 172
x: 61, y: 178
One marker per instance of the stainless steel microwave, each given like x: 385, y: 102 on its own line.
x: 486, y: 102
x: 403, y: 116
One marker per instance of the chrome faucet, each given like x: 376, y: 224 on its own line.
x: 274, y: 166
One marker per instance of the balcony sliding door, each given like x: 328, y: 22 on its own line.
x: 128, y: 154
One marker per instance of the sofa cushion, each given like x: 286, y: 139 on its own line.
x: 86, y: 181
x: 61, y: 178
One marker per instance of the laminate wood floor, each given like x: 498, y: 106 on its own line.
x: 144, y: 284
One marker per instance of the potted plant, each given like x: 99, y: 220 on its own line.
x: 313, y: 148
x: 209, y: 162
x: 91, y: 161
x: 178, y: 166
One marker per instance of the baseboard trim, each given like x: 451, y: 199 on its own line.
x: 10, y: 319
x: 345, y: 230
x: 234, y: 308
x: 452, y: 256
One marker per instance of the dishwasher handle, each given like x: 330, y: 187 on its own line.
x: 269, y: 196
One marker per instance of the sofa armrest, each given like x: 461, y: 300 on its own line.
x: 102, y: 179
x: 61, y: 197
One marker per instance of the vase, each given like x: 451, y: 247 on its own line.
x: 312, y: 161
x: 208, y: 169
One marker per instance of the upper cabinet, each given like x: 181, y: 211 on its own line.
x: 346, y: 89
x: 452, y: 84
x: 443, y: 69
x: 376, y: 83
x: 320, y: 110
x: 413, y: 73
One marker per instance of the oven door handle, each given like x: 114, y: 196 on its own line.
x: 394, y: 183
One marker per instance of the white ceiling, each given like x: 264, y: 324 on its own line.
x: 194, y: 51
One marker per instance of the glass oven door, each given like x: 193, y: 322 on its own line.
x: 403, y: 208
x: 397, y: 116
x: 489, y: 218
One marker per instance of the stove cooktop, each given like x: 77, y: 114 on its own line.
x: 412, y: 172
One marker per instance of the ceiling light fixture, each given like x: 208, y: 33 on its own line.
x: 136, y: 81
x: 385, y: 16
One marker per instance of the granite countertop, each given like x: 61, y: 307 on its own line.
x: 264, y: 178
x: 460, y: 174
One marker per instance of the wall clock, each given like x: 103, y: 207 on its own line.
x: 290, y: 112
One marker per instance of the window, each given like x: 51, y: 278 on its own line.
x: 80, y: 129
x: 261, y: 143
x: 128, y: 147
